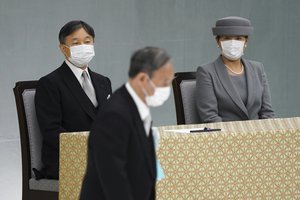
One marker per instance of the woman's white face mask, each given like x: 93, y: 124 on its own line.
x: 81, y: 55
x: 232, y: 49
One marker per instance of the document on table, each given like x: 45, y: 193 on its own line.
x: 194, y: 130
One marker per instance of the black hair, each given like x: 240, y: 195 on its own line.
x: 147, y: 60
x: 73, y: 26
x: 218, y: 36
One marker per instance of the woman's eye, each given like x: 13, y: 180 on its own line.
x: 240, y: 38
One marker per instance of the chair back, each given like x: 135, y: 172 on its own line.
x: 31, y: 143
x: 184, y: 86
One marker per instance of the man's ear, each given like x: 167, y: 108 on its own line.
x: 142, y: 77
x: 64, y: 50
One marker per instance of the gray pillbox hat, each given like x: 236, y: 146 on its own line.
x: 231, y: 26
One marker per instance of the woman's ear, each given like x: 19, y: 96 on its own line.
x: 246, y: 42
x: 218, y: 42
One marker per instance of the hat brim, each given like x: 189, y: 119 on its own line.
x: 232, y: 30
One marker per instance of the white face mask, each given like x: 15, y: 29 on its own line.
x: 160, y: 95
x: 232, y: 49
x: 81, y: 55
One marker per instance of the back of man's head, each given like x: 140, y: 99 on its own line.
x: 147, y: 60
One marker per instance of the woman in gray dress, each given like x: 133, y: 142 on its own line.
x: 232, y: 88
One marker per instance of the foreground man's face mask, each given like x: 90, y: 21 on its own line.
x: 160, y: 95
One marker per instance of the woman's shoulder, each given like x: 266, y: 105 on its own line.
x: 254, y: 68
x: 207, y: 66
x: 204, y: 69
x: 253, y: 63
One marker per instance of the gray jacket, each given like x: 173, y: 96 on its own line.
x: 217, y: 99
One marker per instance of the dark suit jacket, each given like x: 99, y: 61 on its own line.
x: 121, y: 158
x: 62, y: 106
x: 218, y: 100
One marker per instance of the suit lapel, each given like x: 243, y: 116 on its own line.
x: 250, y: 80
x: 101, y: 93
x: 144, y: 140
x: 228, y: 85
x: 76, y: 89
x: 146, y: 146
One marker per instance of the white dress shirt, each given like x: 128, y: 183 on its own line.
x: 143, y: 109
x: 78, y: 73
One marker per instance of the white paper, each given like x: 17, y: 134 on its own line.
x: 184, y: 130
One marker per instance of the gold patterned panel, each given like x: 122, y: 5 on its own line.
x: 72, y: 164
x: 257, y: 159
x: 220, y: 165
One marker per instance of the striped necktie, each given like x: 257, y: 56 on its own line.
x: 89, y: 89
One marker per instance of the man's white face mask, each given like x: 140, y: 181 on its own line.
x: 81, y: 55
x: 232, y: 49
x: 160, y: 95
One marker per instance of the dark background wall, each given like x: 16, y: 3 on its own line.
x: 29, y: 44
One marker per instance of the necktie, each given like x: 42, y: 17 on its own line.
x: 88, y: 88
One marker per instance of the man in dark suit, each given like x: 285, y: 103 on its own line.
x: 68, y: 98
x: 121, y: 157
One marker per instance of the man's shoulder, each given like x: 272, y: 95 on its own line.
x: 98, y: 76
x: 53, y: 76
x: 118, y: 104
x: 120, y: 100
